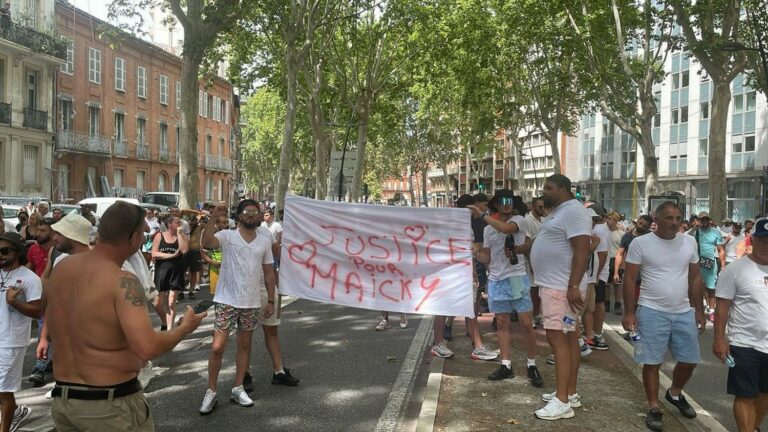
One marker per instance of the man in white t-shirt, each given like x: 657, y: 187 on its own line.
x: 509, y: 288
x: 272, y: 225
x: 663, y: 317
x: 595, y: 265
x: 559, y: 258
x: 603, y: 232
x: 246, y: 265
x: 533, y: 220
x: 734, y: 244
x: 742, y: 299
x: 19, y: 303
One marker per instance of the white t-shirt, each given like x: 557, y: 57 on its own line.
x: 15, y: 327
x: 746, y: 284
x: 533, y: 224
x: 615, y: 243
x: 154, y: 226
x: 606, y: 239
x: 242, y: 275
x: 552, y: 254
x: 9, y: 228
x: 593, y: 265
x: 274, y: 228
x: 664, y: 270
x: 500, y: 268
x: 732, y: 245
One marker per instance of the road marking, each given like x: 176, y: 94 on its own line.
x: 704, y: 418
x: 428, y: 411
x: 390, y: 417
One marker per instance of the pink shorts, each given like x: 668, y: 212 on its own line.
x: 554, y: 306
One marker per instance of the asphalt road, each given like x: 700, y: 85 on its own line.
x: 352, y: 377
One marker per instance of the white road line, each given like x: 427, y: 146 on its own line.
x: 704, y: 418
x: 390, y: 417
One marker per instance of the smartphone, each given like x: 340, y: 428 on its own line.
x: 203, y: 306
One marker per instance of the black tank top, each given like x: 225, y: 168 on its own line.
x: 169, y: 248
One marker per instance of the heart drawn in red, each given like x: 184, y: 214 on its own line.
x: 302, y: 253
x: 415, y: 232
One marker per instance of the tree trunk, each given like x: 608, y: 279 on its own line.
x: 552, y: 136
x: 448, y: 186
x: 424, y: 187
x: 286, y: 149
x: 721, y: 99
x: 411, y: 190
x: 187, y: 148
x: 363, y: 111
x: 650, y: 160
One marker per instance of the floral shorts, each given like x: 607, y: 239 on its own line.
x: 229, y: 318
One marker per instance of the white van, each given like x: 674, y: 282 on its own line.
x: 101, y: 204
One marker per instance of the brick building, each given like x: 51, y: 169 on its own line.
x: 118, y: 117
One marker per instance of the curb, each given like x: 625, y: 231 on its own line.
x: 428, y: 412
x: 703, y: 421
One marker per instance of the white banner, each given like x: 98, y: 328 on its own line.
x: 397, y: 259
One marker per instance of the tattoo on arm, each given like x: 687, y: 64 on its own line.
x: 134, y: 292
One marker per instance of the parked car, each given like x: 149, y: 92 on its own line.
x: 167, y: 199
x: 101, y: 204
x: 66, y: 208
x: 20, y: 200
x: 158, y: 207
x: 11, y: 214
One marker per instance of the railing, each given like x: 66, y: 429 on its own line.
x: 5, y: 113
x: 33, y: 39
x: 121, y: 148
x: 142, y: 151
x: 68, y: 140
x: 164, y: 156
x: 35, y: 119
x: 218, y: 163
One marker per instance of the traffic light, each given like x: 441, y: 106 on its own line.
x: 480, y: 186
x: 578, y: 192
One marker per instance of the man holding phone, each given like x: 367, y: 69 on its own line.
x: 238, y: 294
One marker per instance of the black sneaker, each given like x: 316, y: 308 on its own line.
x: 501, y: 373
x: 285, y: 378
x: 685, y: 408
x: 535, y: 377
x: 607, y: 306
x: 248, y: 383
x: 37, y: 378
x: 617, y: 308
x: 653, y: 420
x: 180, y: 296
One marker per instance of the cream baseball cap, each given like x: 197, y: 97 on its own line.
x: 74, y: 227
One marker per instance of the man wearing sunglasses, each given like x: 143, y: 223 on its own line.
x: 20, y: 293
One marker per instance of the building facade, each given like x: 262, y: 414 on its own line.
x: 118, y: 115
x: 610, y: 159
x: 29, y: 58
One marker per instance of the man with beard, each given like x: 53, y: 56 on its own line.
x: 37, y: 255
x: 559, y: 258
x: 22, y: 292
x: 642, y: 227
x: 246, y: 265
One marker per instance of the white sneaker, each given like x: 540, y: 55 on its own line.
x: 209, y: 402
x: 403, y: 321
x: 574, y: 399
x: 555, y: 410
x: 383, y: 325
x: 584, y: 347
x: 240, y: 397
x: 21, y: 415
x: 483, y: 353
x: 49, y: 395
x: 440, y: 349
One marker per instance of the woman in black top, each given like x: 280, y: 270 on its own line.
x: 168, y: 248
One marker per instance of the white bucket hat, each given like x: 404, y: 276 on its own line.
x: 74, y: 227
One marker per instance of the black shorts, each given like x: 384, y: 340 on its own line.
x: 749, y: 377
x: 611, y: 268
x: 600, y: 291
x: 193, y: 260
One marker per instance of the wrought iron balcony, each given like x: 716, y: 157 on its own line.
x: 164, y: 155
x: 79, y: 142
x: 35, y: 119
x: 142, y: 151
x: 33, y: 39
x: 121, y: 148
x: 218, y: 163
x: 5, y: 113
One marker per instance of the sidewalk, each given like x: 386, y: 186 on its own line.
x: 612, y: 397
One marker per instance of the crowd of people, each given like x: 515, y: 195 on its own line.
x: 562, y: 264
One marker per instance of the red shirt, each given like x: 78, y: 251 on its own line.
x: 38, y: 256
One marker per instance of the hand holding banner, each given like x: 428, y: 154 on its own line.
x: 398, y: 259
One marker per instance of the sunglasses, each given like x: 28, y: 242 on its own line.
x: 506, y: 201
x: 46, y: 221
x: 7, y: 250
x: 250, y: 212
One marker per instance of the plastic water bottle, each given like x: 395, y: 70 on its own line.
x: 569, y: 323
x: 730, y: 361
x: 635, y: 338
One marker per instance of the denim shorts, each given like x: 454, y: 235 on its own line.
x: 660, y: 331
x: 510, y: 294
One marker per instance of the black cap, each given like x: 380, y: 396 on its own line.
x: 504, y: 193
x: 598, y: 209
x: 480, y: 198
x: 465, y: 200
x: 14, y: 239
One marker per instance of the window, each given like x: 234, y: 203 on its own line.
x: 63, y: 177
x: 93, y: 120
x: 163, y: 136
x: 685, y: 78
x: 31, y: 89
x: 200, y: 98
x: 225, y: 111
x: 205, y: 105
x: 222, y: 145
x: 209, y: 106
x: 208, y: 140
x: 219, y: 193
x: 749, y: 143
x: 751, y: 101
x: 119, y: 127
x: 69, y: 67
x: 216, y: 109
x: 742, y: 153
x: 704, y: 75
x: 208, y: 189
x: 94, y: 65
x: 29, y: 169
x: 703, y: 147
x: 161, y: 180
x: 163, y: 89
x: 738, y: 104
x: 178, y: 95
x: 141, y: 131
x: 684, y: 114
x: 141, y: 82
x: 140, y: 180
x: 704, y: 108
x: 118, y: 178
x: 178, y: 137
x: 675, y: 116
x: 65, y: 108
x: 119, y: 74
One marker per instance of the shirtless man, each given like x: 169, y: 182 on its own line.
x: 99, y: 323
